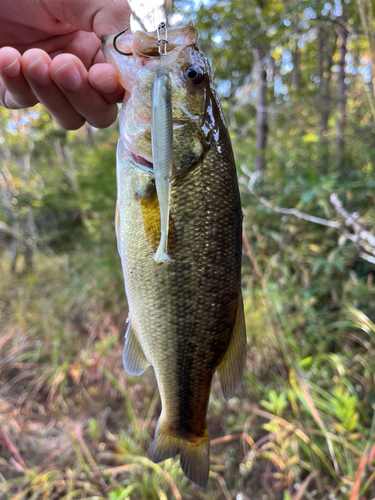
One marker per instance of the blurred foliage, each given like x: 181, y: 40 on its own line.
x: 72, y: 424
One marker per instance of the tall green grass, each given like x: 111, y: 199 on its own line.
x: 73, y: 425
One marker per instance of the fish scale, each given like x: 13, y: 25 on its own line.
x: 186, y: 314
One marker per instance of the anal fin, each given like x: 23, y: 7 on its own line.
x: 232, y: 366
x: 134, y: 359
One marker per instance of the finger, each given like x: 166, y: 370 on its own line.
x: 36, y: 68
x: 110, y: 17
x: 86, y: 46
x: 15, y: 92
x: 104, y: 79
x: 98, y: 16
x: 71, y: 77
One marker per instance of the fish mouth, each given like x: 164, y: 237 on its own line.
x: 142, y: 162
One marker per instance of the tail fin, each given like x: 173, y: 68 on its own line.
x: 194, y: 453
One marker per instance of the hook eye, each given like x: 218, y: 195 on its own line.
x: 115, y: 44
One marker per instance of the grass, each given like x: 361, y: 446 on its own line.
x: 73, y: 425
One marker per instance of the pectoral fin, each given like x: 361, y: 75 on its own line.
x: 233, y: 364
x: 134, y: 359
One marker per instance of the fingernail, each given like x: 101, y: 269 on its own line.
x: 69, y: 76
x: 13, y: 69
x: 108, y: 84
x: 38, y: 72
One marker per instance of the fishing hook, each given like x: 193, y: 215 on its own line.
x: 162, y: 42
x: 115, y: 44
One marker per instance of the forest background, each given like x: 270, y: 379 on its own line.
x: 296, y: 80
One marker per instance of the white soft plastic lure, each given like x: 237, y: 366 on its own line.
x: 162, y: 152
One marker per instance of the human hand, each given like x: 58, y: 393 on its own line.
x: 50, y: 53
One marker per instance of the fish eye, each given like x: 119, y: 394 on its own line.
x: 194, y: 73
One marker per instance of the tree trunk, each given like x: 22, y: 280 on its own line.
x: 261, y: 109
x: 30, y: 242
x: 64, y: 158
x: 273, y: 69
x: 366, y: 16
x: 320, y: 61
x: 29, y: 232
x: 89, y: 135
x: 13, y: 248
x: 296, y: 74
x: 7, y: 189
x: 326, y: 81
x: 167, y: 9
x: 326, y: 40
x: 341, y: 90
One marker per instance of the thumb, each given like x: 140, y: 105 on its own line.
x: 103, y: 17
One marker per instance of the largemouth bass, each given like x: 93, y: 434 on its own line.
x: 185, y: 314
